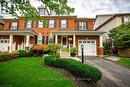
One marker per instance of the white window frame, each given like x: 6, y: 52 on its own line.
x: 40, y: 24
x: 63, y: 23
x: 14, y: 25
x: 29, y: 24
x: 126, y: 19
x: 82, y: 26
x: 39, y: 39
x: 51, y: 23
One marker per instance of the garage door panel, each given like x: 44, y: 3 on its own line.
x: 89, y: 47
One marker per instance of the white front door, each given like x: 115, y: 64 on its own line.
x: 4, y: 43
x: 89, y: 47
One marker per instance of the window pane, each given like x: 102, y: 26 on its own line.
x: 63, y: 24
x: 14, y: 25
x: 126, y: 19
x: 39, y: 40
x: 40, y: 24
x: 51, y: 23
x: 29, y: 24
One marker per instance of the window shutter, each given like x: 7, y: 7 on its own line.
x: 59, y: 23
x: 67, y: 23
x: 46, y: 39
x: 54, y: 23
x: 32, y: 24
x: 86, y: 25
x: 17, y: 25
x: 47, y: 23
x: 10, y: 25
x: 36, y: 39
x: 25, y: 24
x: 42, y: 39
x: 37, y: 24
x: 77, y: 25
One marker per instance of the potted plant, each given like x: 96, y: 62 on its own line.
x: 73, y: 51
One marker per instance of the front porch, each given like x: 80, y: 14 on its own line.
x: 16, y: 40
x: 92, y: 41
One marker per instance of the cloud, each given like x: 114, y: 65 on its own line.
x: 89, y: 8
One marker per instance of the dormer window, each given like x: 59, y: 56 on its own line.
x: 82, y: 25
x: 14, y: 25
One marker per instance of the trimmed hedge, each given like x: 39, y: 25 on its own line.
x: 83, y: 71
x: 22, y: 53
x: 8, y: 56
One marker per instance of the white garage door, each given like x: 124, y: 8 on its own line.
x: 89, y: 47
x: 4, y: 45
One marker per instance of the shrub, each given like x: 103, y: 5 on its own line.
x: 73, y: 51
x: 8, y: 56
x: 22, y: 53
x: 83, y: 71
x: 53, y: 49
x: 106, y: 49
x: 30, y: 52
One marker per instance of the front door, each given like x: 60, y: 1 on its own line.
x: 64, y: 41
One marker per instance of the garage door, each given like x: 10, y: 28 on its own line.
x: 4, y: 45
x: 89, y: 47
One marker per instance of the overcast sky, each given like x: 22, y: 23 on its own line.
x: 89, y: 8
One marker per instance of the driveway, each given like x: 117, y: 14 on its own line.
x: 114, y: 75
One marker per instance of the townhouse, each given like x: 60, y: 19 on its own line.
x: 23, y: 34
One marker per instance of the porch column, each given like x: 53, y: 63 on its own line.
x: 56, y: 39
x: 27, y: 42
x: 101, y: 42
x: 73, y: 40
x: 10, y: 43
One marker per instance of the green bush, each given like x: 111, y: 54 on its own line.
x: 30, y: 52
x: 22, y: 53
x: 53, y: 49
x: 8, y: 56
x: 106, y: 49
x: 82, y: 71
x: 73, y: 51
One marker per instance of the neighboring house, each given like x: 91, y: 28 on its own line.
x: 1, y: 23
x: 109, y: 21
x: 23, y: 34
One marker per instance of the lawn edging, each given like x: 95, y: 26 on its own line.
x: 83, y: 71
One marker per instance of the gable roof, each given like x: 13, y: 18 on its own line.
x: 113, y: 15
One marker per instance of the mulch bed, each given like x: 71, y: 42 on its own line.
x: 74, y: 79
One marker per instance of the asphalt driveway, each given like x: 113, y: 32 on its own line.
x: 114, y: 75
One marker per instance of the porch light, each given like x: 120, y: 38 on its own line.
x: 82, y: 48
x: 70, y: 39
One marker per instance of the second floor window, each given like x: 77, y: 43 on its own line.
x: 51, y: 23
x: 63, y: 24
x: 126, y: 19
x: 40, y: 24
x: 14, y: 25
x: 29, y: 24
x: 82, y: 25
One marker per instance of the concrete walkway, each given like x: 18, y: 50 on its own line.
x: 114, y: 75
x: 112, y: 58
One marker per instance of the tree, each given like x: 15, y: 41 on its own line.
x: 121, y: 36
x: 24, y: 7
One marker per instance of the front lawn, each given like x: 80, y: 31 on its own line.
x: 30, y: 72
x: 124, y: 61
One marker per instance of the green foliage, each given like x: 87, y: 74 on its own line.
x: 8, y: 56
x: 124, y: 61
x: 53, y: 49
x: 22, y: 53
x: 65, y: 49
x: 25, y: 8
x: 30, y: 52
x: 121, y: 36
x: 106, y: 49
x: 83, y: 71
x: 73, y: 51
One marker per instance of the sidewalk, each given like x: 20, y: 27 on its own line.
x: 112, y: 58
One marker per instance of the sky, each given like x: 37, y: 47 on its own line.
x: 91, y: 8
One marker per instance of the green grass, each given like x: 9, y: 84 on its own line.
x: 30, y: 72
x: 124, y: 61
